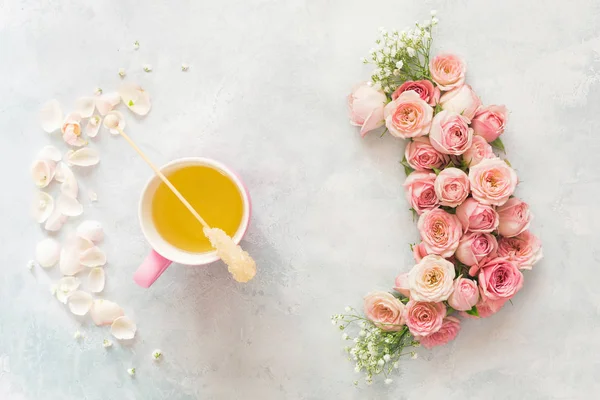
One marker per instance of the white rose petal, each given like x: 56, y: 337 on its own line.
x: 69, y: 185
x: 96, y: 280
x: 68, y: 206
x: 51, y: 116
x: 47, y: 252
x: 79, y: 302
x: 84, y: 106
x: 85, y: 157
x: 65, y: 287
x: 70, y: 255
x: 55, y: 221
x: 105, y: 312
x: 42, y: 172
x: 49, y: 153
x: 136, y: 98
x: 123, y: 328
x: 90, y: 230
x: 93, y: 126
x: 93, y: 257
x: 114, y: 119
x: 42, y: 206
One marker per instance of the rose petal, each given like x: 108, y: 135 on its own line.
x: 123, y: 328
x: 83, y: 157
x: 80, y: 302
x: 42, y: 206
x: 47, y: 252
x: 65, y: 287
x: 114, y: 119
x: 72, y: 139
x: 51, y: 116
x: 135, y: 98
x: 107, y: 102
x: 90, y: 230
x: 69, y: 185
x: 105, y: 312
x: 55, y: 221
x: 96, y: 280
x: 92, y: 126
x: 68, y: 206
x: 93, y: 257
x: 49, y: 153
x: 42, y: 172
x: 70, y: 255
x: 84, y: 106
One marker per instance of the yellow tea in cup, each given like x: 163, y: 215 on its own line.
x: 212, y: 194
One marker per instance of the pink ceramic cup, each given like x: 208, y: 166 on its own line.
x: 163, y: 254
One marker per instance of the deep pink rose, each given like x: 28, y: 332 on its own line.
x: 366, y: 105
x: 408, y: 116
x: 486, y: 308
x: 424, y: 89
x: 419, y: 251
x: 450, y: 133
x: 386, y: 311
x: 424, y: 319
x: 479, y: 150
x: 525, y: 249
x: 489, y: 122
x: 499, y: 279
x: 447, y: 333
x: 492, y: 181
x: 477, y: 217
x: 461, y: 100
x: 465, y: 294
x: 474, y: 247
x: 421, y: 155
x: 514, y: 217
x: 451, y: 187
x: 401, y: 284
x: 440, y: 232
x: 448, y: 71
x: 420, y: 191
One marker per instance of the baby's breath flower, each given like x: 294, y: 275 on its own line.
x: 344, y: 336
x: 147, y: 68
x: 433, y: 13
x: 136, y: 45
x: 122, y: 72
x: 98, y: 91
x: 380, y: 362
x: 77, y: 335
x: 30, y: 265
x: 414, y: 355
x: 411, y: 52
x: 106, y: 343
x: 386, y: 358
x: 131, y: 371
x: 156, y: 355
x: 388, y: 381
x: 184, y: 67
x: 362, y: 333
x: 348, y: 308
x: 434, y: 21
x: 399, y: 64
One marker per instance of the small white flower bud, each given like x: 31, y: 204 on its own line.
x: 388, y: 381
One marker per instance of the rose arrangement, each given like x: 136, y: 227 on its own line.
x: 475, y: 243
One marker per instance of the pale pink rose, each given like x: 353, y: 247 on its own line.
x: 401, y: 284
x: 450, y: 133
x: 451, y: 187
x: 366, y: 105
x: 479, y: 150
x: 408, y: 116
x: 448, y: 71
x: 514, y: 217
x: 424, y: 319
x: 386, y: 311
x: 440, y: 232
x: 486, y: 308
x: 489, y: 122
x: 424, y: 88
x: 420, y: 192
x: 477, y: 217
x: 447, y: 333
x: 71, y: 130
x: 492, y: 181
x: 474, y: 247
x: 461, y: 100
x: 525, y: 249
x: 431, y: 279
x: 421, y: 155
x: 419, y: 251
x: 499, y: 279
x: 465, y: 294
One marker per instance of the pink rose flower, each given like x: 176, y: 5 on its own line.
x: 424, y: 89
x: 71, y: 130
x: 514, y: 217
x: 447, y: 333
x: 499, y: 279
x: 366, y: 107
x: 525, y: 249
x: 486, y: 308
x: 401, y: 284
x: 479, y: 150
x: 386, y: 311
x: 447, y: 71
x: 450, y: 133
x: 461, y: 100
x: 420, y: 191
x: 451, y: 187
x: 492, y: 181
x: 419, y: 251
x: 465, y: 294
x: 424, y: 319
x: 475, y: 247
x: 421, y: 155
x: 431, y: 279
x: 440, y: 232
x: 477, y: 217
x: 408, y: 116
x: 489, y: 122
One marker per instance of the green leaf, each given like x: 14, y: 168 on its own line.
x: 507, y: 162
x: 449, y: 310
x: 449, y: 210
x: 473, y: 311
x: 415, y: 214
x: 497, y: 144
x: 437, y: 109
x: 437, y: 171
x: 411, y: 246
x: 407, y: 168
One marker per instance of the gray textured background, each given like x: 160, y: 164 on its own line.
x: 266, y: 94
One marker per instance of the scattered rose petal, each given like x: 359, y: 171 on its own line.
x: 96, y: 280
x: 136, y: 98
x: 68, y: 206
x: 42, y: 172
x: 105, y: 312
x: 93, y: 257
x: 93, y: 126
x: 69, y: 185
x: 84, y: 106
x: 71, y: 130
x: 123, y: 328
x: 49, y: 153
x: 106, y: 343
x: 107, y: 102
x: 51, y: 116
x: 47, y: 252
x: 85, y: 157
x: 90, y: 230
x: 42, y: 206
x: 114, y: 119
x: 80, y: 302
x: 92, y: 195
x: 70, y: 255
x: 55, y: 221
x: 65, y: 287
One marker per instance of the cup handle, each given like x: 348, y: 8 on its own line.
x: 152, y: 267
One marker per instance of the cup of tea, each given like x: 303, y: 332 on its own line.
x: 214, y: 190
